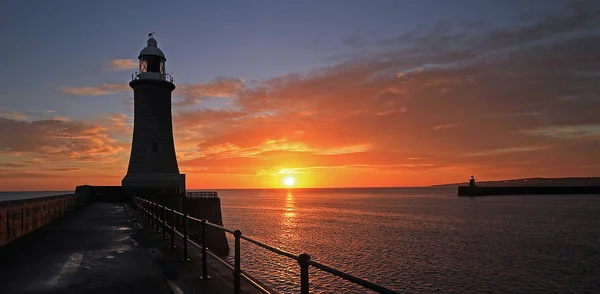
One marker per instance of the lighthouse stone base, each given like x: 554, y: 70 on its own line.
x: 154, y: 182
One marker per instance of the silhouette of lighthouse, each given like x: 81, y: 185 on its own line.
x: 152, y: 163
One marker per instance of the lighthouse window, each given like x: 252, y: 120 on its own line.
x: 154, y: 64
x: 154, y: 147
x: 143, y: 65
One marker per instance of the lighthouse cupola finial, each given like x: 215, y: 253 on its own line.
x: 151, y: 41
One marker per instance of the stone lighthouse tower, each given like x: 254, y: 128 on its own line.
x: 152, y: 164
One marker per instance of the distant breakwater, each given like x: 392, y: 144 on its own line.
x: 526, y: 190
x: 19, y: 217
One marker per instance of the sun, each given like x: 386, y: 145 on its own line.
x: 289, y: 181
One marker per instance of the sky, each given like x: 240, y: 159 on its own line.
x: 332, y: 93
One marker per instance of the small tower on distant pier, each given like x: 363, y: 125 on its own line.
x: 152, y: 163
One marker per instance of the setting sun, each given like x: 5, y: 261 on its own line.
x: 289, y: 181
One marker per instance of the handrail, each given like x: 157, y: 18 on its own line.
x: 271, y: 248
x: 220, y: 228
x: 194, y: 219
x: 202, y: 194
x: 350, y: 278
x: 152, y: 214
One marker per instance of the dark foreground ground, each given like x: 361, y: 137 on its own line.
x: 101, y: 248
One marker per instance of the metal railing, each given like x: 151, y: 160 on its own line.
x: 166, y: 76
x: 156, y: 215
x: 202, y: 194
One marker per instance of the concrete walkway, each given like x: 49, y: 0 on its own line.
x: 96, y: 249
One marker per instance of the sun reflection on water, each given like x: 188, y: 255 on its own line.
x: 288, y: 236
x: 289, y: 206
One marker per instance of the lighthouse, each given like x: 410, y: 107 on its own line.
x: 152, y: 162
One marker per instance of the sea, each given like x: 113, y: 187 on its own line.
x: 417, y: 240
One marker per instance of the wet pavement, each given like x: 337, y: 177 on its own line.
x: 99, y: 248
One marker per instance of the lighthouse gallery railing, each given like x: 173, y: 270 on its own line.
x: 157, y: 216
x: 166, y: 76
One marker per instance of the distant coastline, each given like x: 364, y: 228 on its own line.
x: 572, y: 181
x: 530, y: 182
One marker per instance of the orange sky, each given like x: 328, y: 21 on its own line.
x: 504, y: 104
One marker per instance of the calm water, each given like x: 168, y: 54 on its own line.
x: 421, y: 240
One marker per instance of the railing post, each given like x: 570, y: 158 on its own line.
x: 237, y: 270
x: 173, y: 228
x: 185, y: 237
x: 204, y: 250
x: 157, y: 217
x: 148, y: 218
x: 151, y: 213
x: 164, y: 222
x: 147, y: 211
x: 153, y: 205
x: 303, y: 261
x: 7, y: 226
x: 22, y: 221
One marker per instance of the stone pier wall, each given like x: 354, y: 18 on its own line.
x: 19, y: 217
x: 209, y: 209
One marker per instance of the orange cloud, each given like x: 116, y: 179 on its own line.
x: 444, y: 127
x: 219, y: 88
x: 123, y: 64
x: 105, y: 89
x: 53, y: 139
x: 12, y: 115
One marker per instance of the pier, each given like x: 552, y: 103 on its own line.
x: 100, y: 248
x: 133, y: 247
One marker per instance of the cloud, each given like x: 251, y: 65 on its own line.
x: 432, y: 105
x: 502, y: 151
x: 566, y: 132
x: 65, y: 169
x: 105, y: 89
x: 219, y: 88
x: 444, y: 127
x: 123, y: 64
x: 12, y: 164
x: 439, y: 74
x: 5, y: 113
x: 11, y: 174
x: 355, y: 41
x: 58, y: 140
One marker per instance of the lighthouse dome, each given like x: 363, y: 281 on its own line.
x: 152, y: 49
